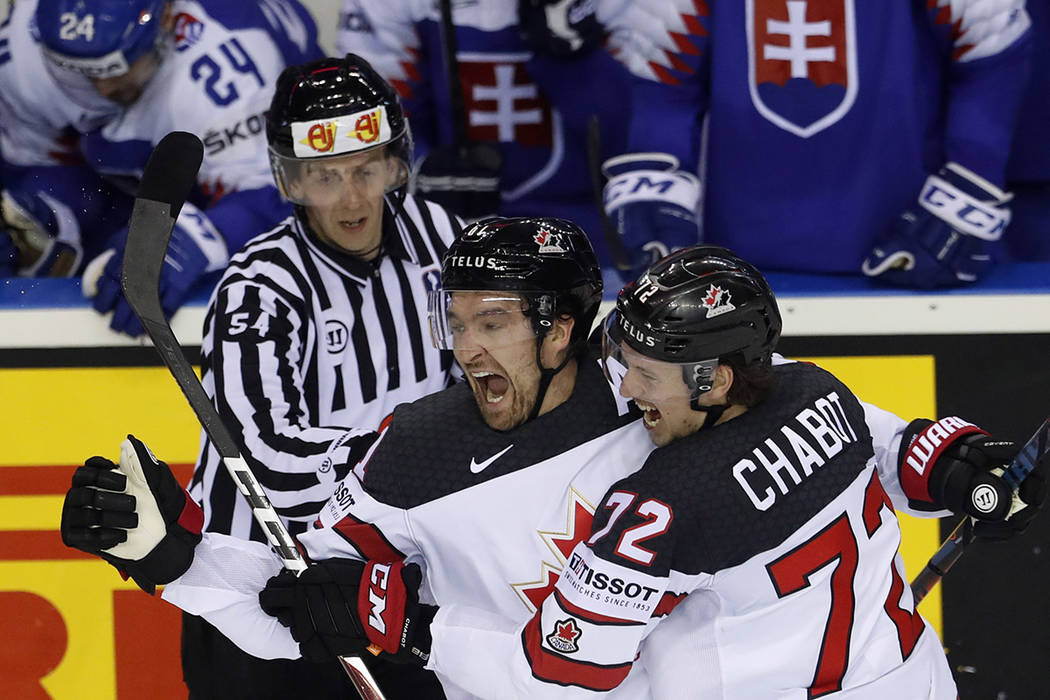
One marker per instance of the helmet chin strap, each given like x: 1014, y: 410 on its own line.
x: 546, y: 375
x: 712, y: 413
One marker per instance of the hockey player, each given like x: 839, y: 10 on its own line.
x: 1028, y: 169
x: 317, y: 324
x: 206, y: 67
x: 840, y: 135
x: 53, y: 204
x: 770, y: 504
x: 530, y: 76
x: 478, y: 492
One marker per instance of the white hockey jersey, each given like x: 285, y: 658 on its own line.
x: 216, y: 82
x: 490, y: 516
x: 779, y: 526
x: 34, y: 112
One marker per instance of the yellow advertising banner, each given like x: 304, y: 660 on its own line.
x: 73, y: 630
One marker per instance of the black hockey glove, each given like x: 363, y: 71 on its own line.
x: 560, y: 28
x: 319, y: 607
x: 955, y: 465
x: 337, y: 607
x: 465, y: 180
x: 136, y: 516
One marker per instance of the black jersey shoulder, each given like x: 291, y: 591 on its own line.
x: 434, y: 446
x: 725, y: 504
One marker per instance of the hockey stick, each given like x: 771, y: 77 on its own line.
x: 1035, y: 453
x: 594, y: 163
x: 455, y: 87
x: 167, y: 179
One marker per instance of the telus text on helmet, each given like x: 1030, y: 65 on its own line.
x: 479, y: 261
x: 635, y: 332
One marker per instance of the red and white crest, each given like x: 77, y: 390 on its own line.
x: 502, y: 102
x: 548, y: 242
x: 717, y: 301
x: 802, y: 62
x: 564, y: 636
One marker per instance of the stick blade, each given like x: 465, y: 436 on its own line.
x: 170, y: 174
x: 171, y: 170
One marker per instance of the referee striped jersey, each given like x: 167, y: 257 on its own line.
x: 302, y: 341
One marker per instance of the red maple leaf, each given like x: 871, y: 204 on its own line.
x: 567, y: 630
x: 712, y: 296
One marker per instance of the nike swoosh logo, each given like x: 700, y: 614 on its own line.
x: 478, y: 467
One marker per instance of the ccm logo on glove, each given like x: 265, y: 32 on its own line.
x: 382, y: 604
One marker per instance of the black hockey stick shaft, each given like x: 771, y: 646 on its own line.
x: 1034, y: 454
x: 455, y: 86
x: 167, y: 180
x: 621, y: 259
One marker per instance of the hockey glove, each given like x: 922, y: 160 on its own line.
x: 394, y: 618
x: 135, y: 516
x: 955, y: 465
x: 28, y: 243
x: 196, y: 248
x: 319, y: 607
x: 653, y: 204
x: 947, y: 239
x: 465, y: 180
x: 560, y: 28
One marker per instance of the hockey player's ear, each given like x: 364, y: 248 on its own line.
x: 720, y: 384
x: 556, y: 342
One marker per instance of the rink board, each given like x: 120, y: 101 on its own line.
x: 70, y: 389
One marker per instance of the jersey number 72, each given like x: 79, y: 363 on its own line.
x: 790, y: 573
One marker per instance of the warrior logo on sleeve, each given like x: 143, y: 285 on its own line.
x: 803, y: 62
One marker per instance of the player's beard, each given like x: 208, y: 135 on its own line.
x: 521, y: 394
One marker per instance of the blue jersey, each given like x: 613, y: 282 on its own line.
x: 824, y: 117
x: 536, y: 108
x: 216, y: 81
x: 41, y: 168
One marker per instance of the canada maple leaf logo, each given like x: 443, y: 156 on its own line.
x: 548, y: 242
x: 578, y: 521
x: 564, y: 636
x: 717, y: 301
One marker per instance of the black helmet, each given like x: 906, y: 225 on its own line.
x: 700, y: 303
x: 549, y: 261
x: 334, y: 107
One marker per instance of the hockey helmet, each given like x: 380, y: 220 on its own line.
x: 86, y: 40
x: 692, y: 308
x: 547, y: 262
x: 323, y: 117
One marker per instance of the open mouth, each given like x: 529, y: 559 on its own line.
x: 353, y: 223
x: 494, y: 386
x: 650, y: 415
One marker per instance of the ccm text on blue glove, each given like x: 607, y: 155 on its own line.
x: 653, y: 205
x: 947, y: 239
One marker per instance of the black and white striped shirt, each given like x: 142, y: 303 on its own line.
x: 301, y: 342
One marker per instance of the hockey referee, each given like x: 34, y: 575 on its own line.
x: 317, y: 326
